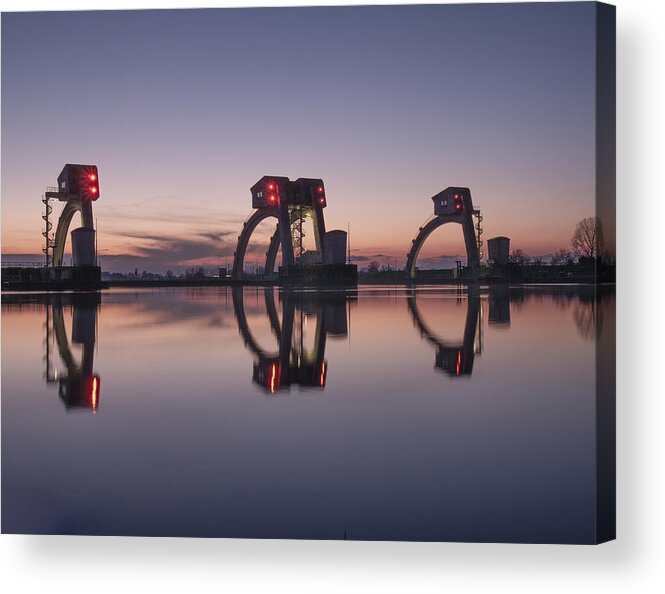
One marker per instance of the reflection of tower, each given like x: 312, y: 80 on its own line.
x: 295, y: 363
x: 452, y: 205
x: 79, y: 386
x: 499, y: 305
x: 454, y: 358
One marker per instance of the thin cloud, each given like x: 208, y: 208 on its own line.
x: 158, y: 252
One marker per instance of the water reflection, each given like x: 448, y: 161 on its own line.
x: 588, y: 304
x: 499, y: 306
x: 455, y: 358
x: 300, y: 324
x: 78, y: 386
x: 295, y: 362
x: 377, y: 458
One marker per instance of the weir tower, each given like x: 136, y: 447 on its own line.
x: 78, y: 188
x: 291, y: 202
x: 452, y: 205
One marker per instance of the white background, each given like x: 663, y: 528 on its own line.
x: 634, y: 562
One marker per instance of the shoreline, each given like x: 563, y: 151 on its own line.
x: 144, y: 284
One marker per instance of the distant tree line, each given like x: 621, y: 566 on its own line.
x: 587, y: 245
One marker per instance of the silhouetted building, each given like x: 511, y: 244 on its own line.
x: 498, y: 250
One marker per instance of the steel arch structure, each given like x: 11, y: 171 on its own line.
x: 271, y: 254
x: 243, y: 241
x: 452, y: 205
x: 290, y: 202
x: 84, y: 207
x: 472, y: 255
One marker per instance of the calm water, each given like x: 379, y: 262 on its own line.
x: 376, y: 414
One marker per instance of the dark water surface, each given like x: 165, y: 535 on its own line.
x: 381, y: 413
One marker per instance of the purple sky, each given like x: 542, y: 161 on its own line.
x: 184, y: 110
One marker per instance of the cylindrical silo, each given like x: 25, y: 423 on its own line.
x: 83, y: 247
x: 334, y: 247
x: 498, y: 250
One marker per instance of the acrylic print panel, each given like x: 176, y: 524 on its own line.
x: 316, y: 273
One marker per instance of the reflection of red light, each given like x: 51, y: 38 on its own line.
x: 274, y: 377
x: 94, y: 392
x: 459, y: 362
x: 323, y: 373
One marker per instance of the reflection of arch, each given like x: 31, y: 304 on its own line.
x: 79, y: 387
x: 272, y: 312
x: 454, y: 358
x: 292, y: 364
x: 472, y: 255
x: 70, y: 209
x: 243, y: 326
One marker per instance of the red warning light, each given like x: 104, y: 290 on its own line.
x: 322, y: 200
x: 320, y: 189
x: 272, y: 198
x: 459, y: 202
x: 81, y: 181
x: 271, y: 186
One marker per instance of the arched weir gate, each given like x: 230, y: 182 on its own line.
x: 78, y: 188
x: 452, y: 205
x: 290, y: 202
x: 243, y: 241
x: 70, y: 209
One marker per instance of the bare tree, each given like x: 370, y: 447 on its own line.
x: 587, y: 241
x: 519, y: 257
x: 562, y: 256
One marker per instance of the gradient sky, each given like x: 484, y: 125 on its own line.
x: 184, y: 110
